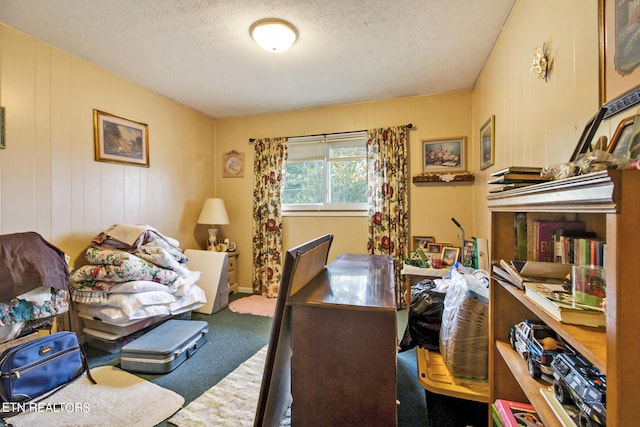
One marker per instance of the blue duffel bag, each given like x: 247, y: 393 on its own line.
x: 41, y: 366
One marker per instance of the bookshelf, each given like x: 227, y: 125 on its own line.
x: 609, y: 203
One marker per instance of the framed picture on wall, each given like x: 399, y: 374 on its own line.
x: 440, y: 155
x: 120, y: 140
x: 619, y: 55
x: 487, y: 143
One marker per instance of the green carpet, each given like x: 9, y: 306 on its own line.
x: 234, y: 338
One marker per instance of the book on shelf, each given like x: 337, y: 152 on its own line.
x: 510, y: 178
x: 497, y: 422
x: 563, y: 244
x: 568, y: 415
x: 518, y: 273
x: 543, y: 237
x: 515, y: 414
x: 520, y: 225
x: 559, y: 304
x: 518, y: 169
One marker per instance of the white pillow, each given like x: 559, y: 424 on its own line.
x: 138, y: 286
x: 131, y: 303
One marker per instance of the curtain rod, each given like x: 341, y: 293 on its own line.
x: 252, y: 140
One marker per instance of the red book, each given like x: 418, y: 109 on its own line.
x: 516, y: 414
x: 544, y: 243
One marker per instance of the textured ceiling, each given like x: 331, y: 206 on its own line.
x: 199, y: 52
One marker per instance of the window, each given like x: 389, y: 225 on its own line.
x: 326, y: 172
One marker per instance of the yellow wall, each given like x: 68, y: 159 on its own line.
x: 431, y: 206
x: 49, y: 181
x: 537, y: 123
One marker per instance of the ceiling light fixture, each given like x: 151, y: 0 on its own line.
x: 273, y: 34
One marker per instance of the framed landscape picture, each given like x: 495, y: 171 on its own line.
x: 120, y: 140
x: 487, y: 143
x: 441, y: 155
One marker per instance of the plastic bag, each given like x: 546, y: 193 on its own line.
x: 465, y: 327
x: 425, y: 314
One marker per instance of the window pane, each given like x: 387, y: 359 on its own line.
x: 304, y: 183
x: 348, y: 181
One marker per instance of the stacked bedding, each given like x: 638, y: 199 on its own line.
x: 135, y: 275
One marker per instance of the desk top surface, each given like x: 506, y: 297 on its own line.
x: 351, y: 281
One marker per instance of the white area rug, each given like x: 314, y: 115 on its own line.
x: 230, y: 403
x: 119, y: 399
x: 258, y: 305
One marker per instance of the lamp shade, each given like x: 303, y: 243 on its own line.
x: 213, y: 212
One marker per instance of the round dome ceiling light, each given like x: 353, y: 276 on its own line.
x: 273, y: 35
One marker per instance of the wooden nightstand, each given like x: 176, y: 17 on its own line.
x: 231, y: 266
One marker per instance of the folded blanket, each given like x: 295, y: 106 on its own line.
x: 134, y: 236
x: 127, y: 269
x: 27, y: 308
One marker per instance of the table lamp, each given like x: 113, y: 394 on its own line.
x: 213, y: 213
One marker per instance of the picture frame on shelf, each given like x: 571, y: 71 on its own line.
x: 444, y: 155
x: 421, y: 242
x: 633, y: 149
x: 620, y: 140
x: 619, y: 66
x: 434, y: 248
x: 487, y: 143
x: 584, y: 143
x: 120, y: 140
x: 450, y: 255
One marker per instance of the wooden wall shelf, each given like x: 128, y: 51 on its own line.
x: 443, y: 177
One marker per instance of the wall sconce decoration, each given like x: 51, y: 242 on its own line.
x: 540, y: 63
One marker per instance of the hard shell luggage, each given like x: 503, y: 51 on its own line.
x: 165, y: 347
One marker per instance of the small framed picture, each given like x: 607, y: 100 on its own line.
x: 450, y: 255
x: 468, y: 253
x: 487, y: 143
x: 421, y: 242
x: 120, y: 140
x: 434, y: 248
x: 584, y: 144
x: 620, y: 140
x: 440, y: 155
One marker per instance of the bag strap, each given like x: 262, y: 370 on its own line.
x: 85, y: 364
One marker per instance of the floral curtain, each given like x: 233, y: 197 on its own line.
x: 270, y: 155
x: 388, y: 199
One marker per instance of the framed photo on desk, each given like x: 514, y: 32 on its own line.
x: 421, y: 242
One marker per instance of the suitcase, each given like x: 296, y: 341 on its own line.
x: 165, y: 347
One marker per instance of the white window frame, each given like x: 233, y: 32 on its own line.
x: 326, y: 209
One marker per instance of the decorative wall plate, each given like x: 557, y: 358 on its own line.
x: 233, y: 165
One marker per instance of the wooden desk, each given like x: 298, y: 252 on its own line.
x: 344, y: 336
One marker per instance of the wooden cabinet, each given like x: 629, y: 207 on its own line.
x: 343, y: 341
x: 609, y: 203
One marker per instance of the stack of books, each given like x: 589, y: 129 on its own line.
x: 516, y: 177
x: 544, y: 283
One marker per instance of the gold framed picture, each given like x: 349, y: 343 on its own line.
x: 120, y: 140
x: 487, y: 143
x: 233, y: 165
